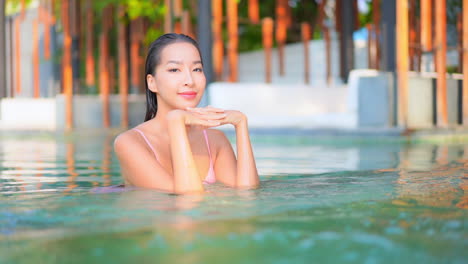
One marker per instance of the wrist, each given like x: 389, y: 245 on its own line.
x: 176, y: 117
x: 242, y: 123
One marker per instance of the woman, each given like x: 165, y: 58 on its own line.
x: 173, y: 150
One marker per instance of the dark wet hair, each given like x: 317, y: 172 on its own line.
x: 153, y: 59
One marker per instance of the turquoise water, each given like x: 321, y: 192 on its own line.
x: 322, y: 200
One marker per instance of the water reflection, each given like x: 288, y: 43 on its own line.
x: 433, y: 177
x: 70, y: 163
x: 431, y: 174
x: 106, y: 160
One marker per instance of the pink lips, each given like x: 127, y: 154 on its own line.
x: 188, y: 95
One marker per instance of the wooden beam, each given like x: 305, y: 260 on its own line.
x: 326, y: 36
x: 254, y: 13
x: 136, y: 38
x: 90, y: 63
x: 376, y: 17
x: 35, y: 59
x: 17, y: 45
x: 168, y: 23
x: 281, y: 31
x: 3, y: 47
x: 412, y: 34
x: 67, y: 66
x: 23, y: 10
x: 186, y: 24
x: 104, y: 66
x: 178, y: 8
x: 465, y: 63
x: 123, y: 67
x: 233, y: 39
x: 402, y: 60
x: 11, y: 45
x: 218, y: 49
x: 267, y: 37
x: 460, y: 41
x: 370, y: 46
x: 305, y: 30
x: 426, y: 24
x: 441, y: 56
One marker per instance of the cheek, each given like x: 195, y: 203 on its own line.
x: 201, y: 80
x: 164, y: 82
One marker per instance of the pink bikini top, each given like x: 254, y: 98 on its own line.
x: 210, y: 178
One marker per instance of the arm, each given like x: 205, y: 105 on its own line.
x: 186, y: 178
x: 141, y: 168
x: 247, y: 175
x: 232, y: 171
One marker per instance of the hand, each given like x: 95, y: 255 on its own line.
x: 210, y: 118
x: 231, y: 116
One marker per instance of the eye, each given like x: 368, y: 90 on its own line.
x: 198, y: 70
x: 173, y: 70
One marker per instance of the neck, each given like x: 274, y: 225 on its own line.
x: 160, y: 120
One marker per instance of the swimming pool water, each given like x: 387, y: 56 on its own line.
x: 322, y: 200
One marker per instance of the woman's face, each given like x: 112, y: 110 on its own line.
x: 179, y: 81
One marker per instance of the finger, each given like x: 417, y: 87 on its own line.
x: 207, y: 123
x: 205, y: 109
x: 214, y: 109
x: 209, y: 116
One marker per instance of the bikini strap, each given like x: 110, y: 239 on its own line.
x: 208, y: 146
x: 147, y: 142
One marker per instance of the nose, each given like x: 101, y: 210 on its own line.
x: 188, y: 81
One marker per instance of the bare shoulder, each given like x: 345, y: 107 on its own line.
x: 125, y: 140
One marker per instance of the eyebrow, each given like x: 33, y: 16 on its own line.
x: 180, y: 62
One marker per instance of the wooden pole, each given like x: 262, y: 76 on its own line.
x: 218, y: 49
x: 90, y: 64
x: 254, y: 14
x: 326, y: 35
x: 281, y: 31
x: 465, y: 63
x: 232, y: 25
x: 104, y: 65
x: 412, y: 34
x: 17, y: 45
x: 376, y: 17
x: 67, y: 67
x: 441, y: 55
x: 426, y: 24
x: 460, y: 41
x: 104, y: 78
x: 186, y: 25
x: 178, y: 8
x: 123, y: 67
x: 11, y: 43
x: 136, y: 39
x: 338, y: 17
x: 3, y: 46
x: 168, y: 25
x: 305, y: 30
x: 357, y: 23
x: 267, y: 36
x: 402, y: 61
x: 35, y: 55
x: 23, y: 10
x: 370, y: 47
